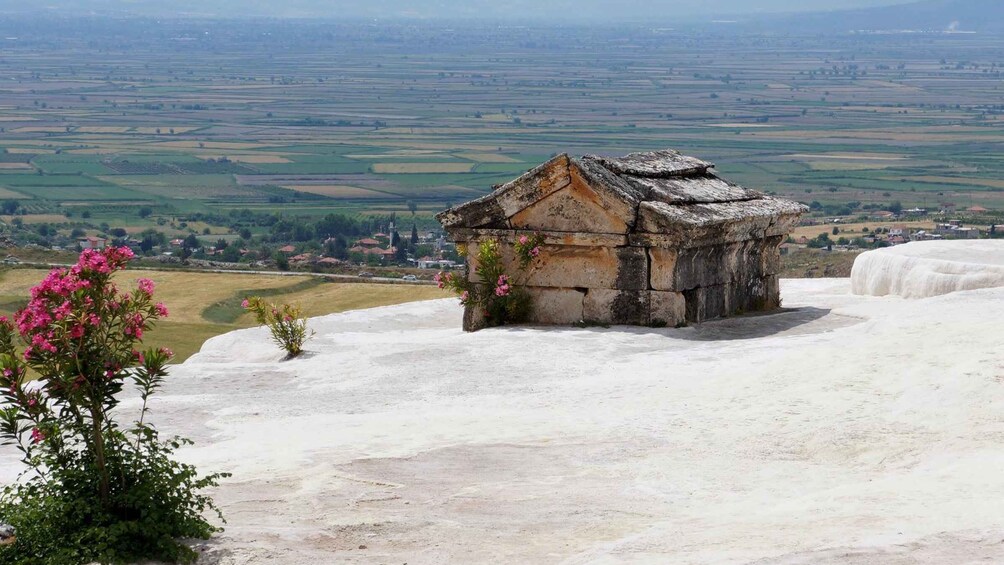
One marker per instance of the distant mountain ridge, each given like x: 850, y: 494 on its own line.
x: 981, y: 16
x: 840, y: 16
x: 558, y: 11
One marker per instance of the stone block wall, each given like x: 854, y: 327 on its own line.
x: 645, y: 285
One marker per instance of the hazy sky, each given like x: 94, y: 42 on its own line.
x: 662, y: 10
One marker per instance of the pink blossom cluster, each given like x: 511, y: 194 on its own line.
x: 102, y: 262
x: 64, y: 304
x: 145, y: 286
x: 443, y: 279
x: 502, y: 287
x: 524, y: 241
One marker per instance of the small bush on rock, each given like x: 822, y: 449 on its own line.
x: 501, y: 295
x: 93, y: 489
x: 285, y: 322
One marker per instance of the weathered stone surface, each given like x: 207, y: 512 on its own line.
x: 484, y: 211
x: 665, y: 307
x: 665, y: 163
x: 575, y: 208
x: 615, y: 189
x: 703, y: 189
x: 662, y: 268
x: 699, y: 225
x: 722, y: 264
x: 564, y: 266
x: 654, y: 236
x: 534, y: 187
x: 706, y: 303
x: 571, y: 267
x: 607, y: 306
x: 474, y: 318
x: 632, y: 273
x: 556, y: 305
x: 493, y: 209
x: 575, y: 239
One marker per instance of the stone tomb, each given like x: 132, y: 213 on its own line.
x: 646, y: 239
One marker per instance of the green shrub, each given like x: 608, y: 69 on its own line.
x: 285, y: 322
x: 501, y: 296
x: 93, y: 490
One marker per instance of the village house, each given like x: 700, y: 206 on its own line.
x: 646, y: 239
x: 91, y: 242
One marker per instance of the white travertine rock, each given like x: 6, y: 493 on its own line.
x: 843, y: 429
x: 929, y: 268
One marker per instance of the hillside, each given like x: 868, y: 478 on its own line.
x: 844, y: 430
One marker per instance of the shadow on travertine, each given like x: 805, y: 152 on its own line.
x: 786, y: 321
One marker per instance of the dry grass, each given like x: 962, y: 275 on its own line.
x: 848, y: 165
x: 412, y: 168
x: 252, y: 158
x: 993, y: 183
x: 337, y: 191
x: 814, y: 263
x: 487, y: 157
x: 855, y: 229
x: 5, y: 193
x: 28, y: 150
x: 37, y: 218
x: 187, y: 294
x: 849, y: 156
x: 164, y: 130
x: 210, y: 145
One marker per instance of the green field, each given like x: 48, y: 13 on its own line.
x: 833, y: 119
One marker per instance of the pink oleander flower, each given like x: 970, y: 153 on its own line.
x: 162, y: 310
x: 442, y: 279
x: 145, y: 285
x: 166, y: 352
x: 464, y: 297
x: 37, y: 435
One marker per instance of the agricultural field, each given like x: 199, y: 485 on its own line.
x: 203, y: 305
x: 104, y: 119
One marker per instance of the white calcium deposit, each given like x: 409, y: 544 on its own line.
x: 844, y: 429
x: 928, y: 268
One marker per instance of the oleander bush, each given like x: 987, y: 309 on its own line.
x: 94, y: 489
x: 285, y: 322
x: 499, y: 290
